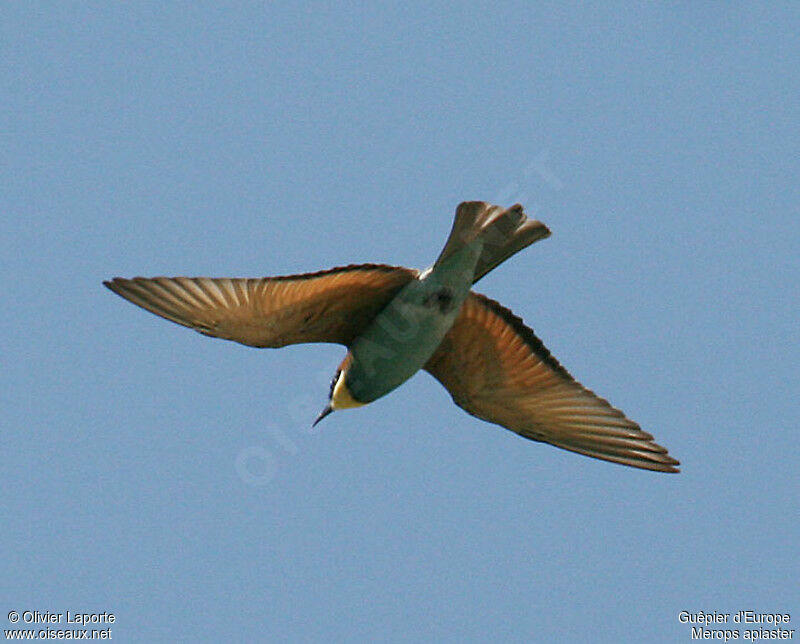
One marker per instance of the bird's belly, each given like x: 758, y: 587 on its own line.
x: 396, y: 346
x: 406, y: 333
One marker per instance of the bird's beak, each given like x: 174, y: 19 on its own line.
x: 322, y: 414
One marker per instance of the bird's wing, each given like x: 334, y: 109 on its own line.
x: 329, y: 306
x: 495, y: 368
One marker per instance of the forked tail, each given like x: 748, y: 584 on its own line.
x: 504, y: 232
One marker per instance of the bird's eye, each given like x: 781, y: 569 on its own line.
x: 333, y: 383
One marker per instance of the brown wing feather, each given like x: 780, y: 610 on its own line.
x: 495, y: 368
x: 328, y: 306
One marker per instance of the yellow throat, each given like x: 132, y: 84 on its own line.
x: 341, y: 398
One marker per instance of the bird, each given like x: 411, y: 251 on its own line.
x: 395, y: 321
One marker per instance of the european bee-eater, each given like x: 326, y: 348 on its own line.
x: 395, y: 321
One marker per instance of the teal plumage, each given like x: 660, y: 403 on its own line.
x: 405, y: 334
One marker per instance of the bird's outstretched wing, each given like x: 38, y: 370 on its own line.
x: 495, y: 368
x: 329, y: 306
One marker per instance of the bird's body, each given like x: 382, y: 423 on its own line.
x: 404, y: 335
x: 396, y: 321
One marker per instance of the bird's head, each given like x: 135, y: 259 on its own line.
x: 339, y: 396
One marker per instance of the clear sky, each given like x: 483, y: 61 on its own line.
x: 173, y: 480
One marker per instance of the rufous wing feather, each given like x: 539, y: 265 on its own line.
x: 495, y: 368
x: 329, y: 306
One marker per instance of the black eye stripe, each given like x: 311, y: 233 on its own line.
x: 333, y: 383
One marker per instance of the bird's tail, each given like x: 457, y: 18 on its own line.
x: 504, y: 232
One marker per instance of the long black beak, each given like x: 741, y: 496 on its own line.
x: 322, y: 414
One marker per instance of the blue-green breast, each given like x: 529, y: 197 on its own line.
x: 408, y: 330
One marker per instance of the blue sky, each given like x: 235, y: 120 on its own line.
x: 173, y: 480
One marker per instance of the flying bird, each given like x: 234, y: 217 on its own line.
x: 395, y: 321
